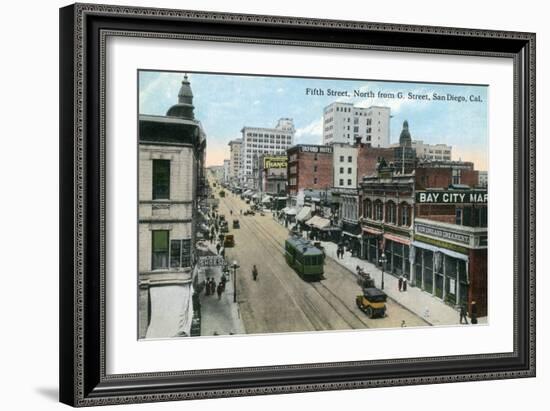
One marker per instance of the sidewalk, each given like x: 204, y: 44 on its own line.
x: 219, y: 316
x: 426, y: 306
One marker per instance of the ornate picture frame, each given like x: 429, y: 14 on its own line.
x: 84, y: 30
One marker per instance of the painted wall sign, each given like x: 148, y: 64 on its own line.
x: 443, y: 234
x: 275, y: 162
x: 452, y: 197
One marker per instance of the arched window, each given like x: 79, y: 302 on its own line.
x: 391, y: 216
x: 378, y: 210
x: 405, y: 214
x: 368, y: 208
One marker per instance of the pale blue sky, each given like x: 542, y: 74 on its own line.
x: 226, y: 103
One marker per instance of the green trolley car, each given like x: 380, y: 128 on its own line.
x: 308, y: 261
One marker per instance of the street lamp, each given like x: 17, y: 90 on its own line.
x: 235, y: 266
x: 383, y: 261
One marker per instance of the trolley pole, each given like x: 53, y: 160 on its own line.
x: 235, y: 266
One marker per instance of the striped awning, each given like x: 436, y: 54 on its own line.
x: 397, y: 239
x: 318, y: 222
x: 304, y: 214
x: 372, y: 231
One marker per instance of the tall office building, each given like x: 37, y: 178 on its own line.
x: 344, y: 123
x: 259, y: 140
x: 234, y: 159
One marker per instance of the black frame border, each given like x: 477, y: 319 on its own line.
x: 83, y: 30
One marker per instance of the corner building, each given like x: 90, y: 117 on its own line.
x: 171, y: 180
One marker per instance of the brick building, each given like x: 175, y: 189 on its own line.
x: 346, y: 190
x: 450, y: 239
x: 442, y: 174
x: 309, y: 167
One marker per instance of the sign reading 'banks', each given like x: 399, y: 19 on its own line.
x: 452, y: 197
x: 275, y: 162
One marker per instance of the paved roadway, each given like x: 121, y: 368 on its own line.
x: 280, y: 301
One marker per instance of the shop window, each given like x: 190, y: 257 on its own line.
x: 180, y: 253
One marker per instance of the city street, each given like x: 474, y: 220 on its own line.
x: 280, y: 301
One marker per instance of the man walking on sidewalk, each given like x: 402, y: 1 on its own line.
x: 400, y: 283
x: 463, y: 314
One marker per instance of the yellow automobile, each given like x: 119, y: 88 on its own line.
x: 372, y: 302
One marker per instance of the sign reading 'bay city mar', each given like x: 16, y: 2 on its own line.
x: 275, y: 162
x: 452, y: 196
x: 316, y: 149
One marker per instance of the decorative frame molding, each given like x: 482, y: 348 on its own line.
x: 84, y: 29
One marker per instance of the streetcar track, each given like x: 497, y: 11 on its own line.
x: 269, y: 236
x: 311, y: 314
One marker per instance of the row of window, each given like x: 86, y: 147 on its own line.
x: 267, y: 135
x: 350, y: 170
x: 342, y: 159
x: 350, y: 182
x: 394, y: 214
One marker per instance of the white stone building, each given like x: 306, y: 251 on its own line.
x: 427, y: 151
x: 226, y: 170
x: 171, y: 161
x: 344, y: 165
x: 483, y: 178
x: 344, y: 123
x: 258, y: 140
x: 234, y: 159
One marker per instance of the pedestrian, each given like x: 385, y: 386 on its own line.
x: 473, y: 313
x: 222, y: 253
x: 403, y: 324
x: 463, y: 314
x: 400, y: 283
x: 405, y: 283
x: 219, y: 290
x: 218, y: 246
x: 212, y: 286
x: 241, y: 212
x: 230, y: 212
x: 426, y: 312
x: 254, y: 272
x: 207, y: 286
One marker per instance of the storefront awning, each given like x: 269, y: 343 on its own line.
x: 446, y: 251
x: 370, y: 230
x: 267, y: 199
x: 289, y: 210
x: 171, y: 311
x: 397, y: 239
x: 318, y: 222
x: 304, y: 214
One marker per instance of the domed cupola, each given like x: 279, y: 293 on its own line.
x: 405, y: 137
x: 184, y: 108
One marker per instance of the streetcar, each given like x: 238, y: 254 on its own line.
x: 308, y: 261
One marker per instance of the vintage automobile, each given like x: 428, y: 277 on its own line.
x: 236, y: 224
x: 364, y: 279
x: 224, y: 227
x: 372, y: 302
x: 249, y: 212
x: 229, y: 241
